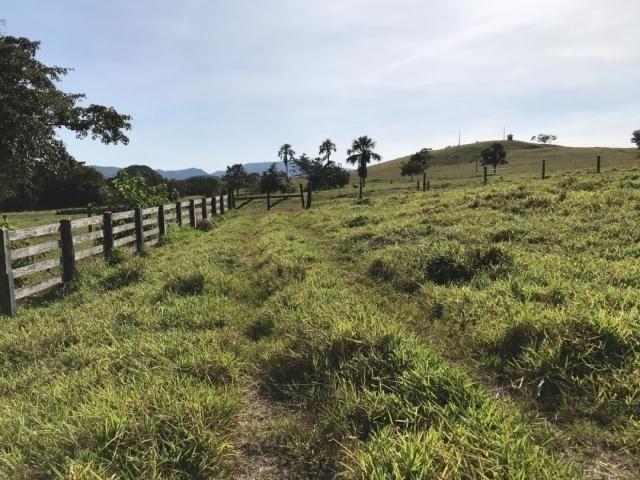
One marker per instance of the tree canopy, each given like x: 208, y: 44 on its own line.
x: 494, y: 155
x: 635, y: 138
x: 273, y: 180
x: 235, y: 177
x: 544, y: 138
x: 322, y: 174
x: 286, y: 154
x: 417, y: 164
x: 151, y: 177
x: 33, y: 109
x: 326, y: 149
x: 361, y: 153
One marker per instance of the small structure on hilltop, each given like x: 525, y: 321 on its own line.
x: 510, y: 137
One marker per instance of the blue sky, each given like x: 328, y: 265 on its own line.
x: 210, y: 83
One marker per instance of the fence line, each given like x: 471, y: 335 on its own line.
x: 139, y: 228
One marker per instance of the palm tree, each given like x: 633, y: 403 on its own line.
x: 361, y: 153
x: 286, y: 153
x: 326, y: 148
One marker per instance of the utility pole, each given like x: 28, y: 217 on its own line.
x: 459, y: 135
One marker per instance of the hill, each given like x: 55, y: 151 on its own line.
x: 255, y: 167
x: 523, y: 157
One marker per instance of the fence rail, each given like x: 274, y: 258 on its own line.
x: 141, y: 227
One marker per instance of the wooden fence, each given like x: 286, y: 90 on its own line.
x: 65, y: 243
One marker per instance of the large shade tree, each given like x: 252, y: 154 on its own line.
x: 361, y: 154
x: 286, y: 154
x: 33, y: 109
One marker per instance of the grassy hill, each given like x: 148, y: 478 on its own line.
x: 522, y: 157
x: 467, y: 332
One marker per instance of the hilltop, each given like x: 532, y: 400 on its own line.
x: 523, y: 157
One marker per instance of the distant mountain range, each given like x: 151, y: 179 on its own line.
x: 256, y: 167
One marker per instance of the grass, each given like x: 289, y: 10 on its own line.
x: 469, y: 332
x: 454, y: 164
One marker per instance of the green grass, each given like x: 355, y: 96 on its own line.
x: 469, y: 332
x: 452, y: 164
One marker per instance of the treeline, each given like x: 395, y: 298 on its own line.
x: 76, y: 185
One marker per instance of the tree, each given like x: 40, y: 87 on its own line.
x: 151, y: 177
x: 544, y: 138
x: 235, y: 177
x: 273, y: 180
x: 286, y: 154
x: 203, y: 185
x: 361, y: 153
x: 321, y: 174
x: 494, y: 155
x: 417, y: 164
x: 326, y: 148
x: 126, y: 191
x: 74, y: 186
x: 33, y: 109
x: 635, y: 138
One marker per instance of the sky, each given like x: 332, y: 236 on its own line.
x: 210, y: 83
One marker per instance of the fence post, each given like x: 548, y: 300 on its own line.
x: 107, y: 234
x: 162, y: 222
x: 308, y: 195
x: 7, y: 289
x: 598, y: 164
x: 139, y: 230
x: 484, y: 174
x: 90, y: 214
x: 544, y: 169
x: 428, y: 184
x: 222, y: 203
x: 178, y: 213
x: 301, y: 195
x: 205, y: 215
x: 232, y: 198
x: 68, y: 253
x: 192, y: 213
x: 424, y: 181
x: 214, y: 207
x: 268, y: 200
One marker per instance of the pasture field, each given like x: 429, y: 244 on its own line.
x: 467, y: 332
x: 458, y: 165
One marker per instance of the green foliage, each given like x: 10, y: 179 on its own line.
x: 151, y: 177
x: 494, y: 155
x: 34, y: 108
x: 417, y: 164
x: 235, y: 177
x: 635, y: 138
x: 544, y: 138
x: 323, y: 174
x: 286, y: 154
x: 125, y: 191
x: 273, y: 180
x: 326, y: 149
x: 361, y: 154
x: 200, y: 185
